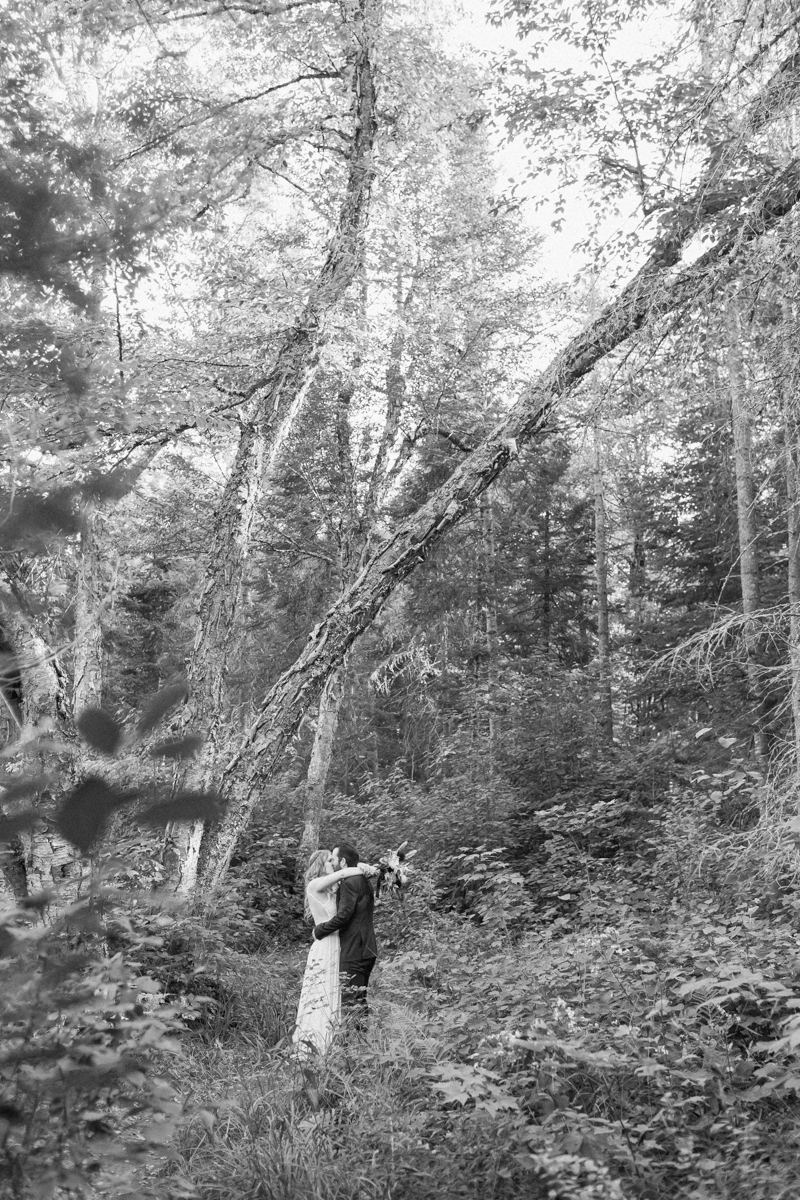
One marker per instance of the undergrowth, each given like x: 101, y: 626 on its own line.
x: 634, y: 1036
x: 638, y: 1040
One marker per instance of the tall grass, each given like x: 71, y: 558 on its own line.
x: 359, y: 1125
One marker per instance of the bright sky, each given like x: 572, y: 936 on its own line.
x: 559, y: 259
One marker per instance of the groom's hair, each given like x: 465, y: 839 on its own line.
x: 348, y: 853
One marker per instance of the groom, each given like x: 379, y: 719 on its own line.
x: 358, y: 949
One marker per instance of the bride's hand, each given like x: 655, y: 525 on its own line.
x: 367, y: 869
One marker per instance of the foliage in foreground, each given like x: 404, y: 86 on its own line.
x: 640, y: 1040
x: 87, y: 1105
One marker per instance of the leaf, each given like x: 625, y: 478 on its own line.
x: 100, y: 730
x: 184, y: 747
x: 726, y: 743
x: 702, y: 732
x: 160, y: 705
x: 187, y: 806
x: 82, y: 817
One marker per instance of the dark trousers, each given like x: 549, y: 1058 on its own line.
x: 355, y: 979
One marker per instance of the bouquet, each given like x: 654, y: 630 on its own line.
x: 391, y: 869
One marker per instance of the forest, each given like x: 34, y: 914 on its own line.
x: 401, y: 446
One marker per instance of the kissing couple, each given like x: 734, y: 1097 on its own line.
x: 340, y: 901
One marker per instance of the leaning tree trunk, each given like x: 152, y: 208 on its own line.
x: 606, y: 713
x: 274, y: 403
x: 747, y: 524
x: 651, y: 295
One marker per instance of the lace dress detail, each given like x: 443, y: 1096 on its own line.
x: 321, y: 994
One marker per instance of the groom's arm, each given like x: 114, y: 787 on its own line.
x: 349, y: 892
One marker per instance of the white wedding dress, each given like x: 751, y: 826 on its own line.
x: 320, y: 1004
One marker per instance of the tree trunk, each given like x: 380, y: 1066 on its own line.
x: 651, y: 295
x: 747, y: 523
x: 274, y: 402
x: 87, y: 685
x: 606, y: 712
x: 321, y: 753
x: 48, y: 859
x: 547, y: 584
x: 792, y: 444
x: 484, y: 655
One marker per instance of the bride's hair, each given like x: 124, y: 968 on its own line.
x: 315, y: 868
x: 316, y: 865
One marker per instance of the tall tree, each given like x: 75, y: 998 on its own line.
x: 651, y: 294
x: 272, y: 403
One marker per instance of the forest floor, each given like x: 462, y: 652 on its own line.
x: 649, y: 1057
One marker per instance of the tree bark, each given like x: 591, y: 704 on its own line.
x: 606, y: 711
x: 651, y: 295
x: 747, y: 523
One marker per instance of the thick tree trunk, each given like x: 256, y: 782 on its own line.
x: 48, y: 859
x: 606, y: 710
x: 747, y: 523
x: 650, y: 296
x: 274, y: 402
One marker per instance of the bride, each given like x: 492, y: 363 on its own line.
x: 321, y: 994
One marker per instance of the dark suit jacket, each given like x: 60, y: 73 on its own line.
x: 353, y: 920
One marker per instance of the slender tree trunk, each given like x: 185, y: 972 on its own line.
x: 791, y: 430
x: 547, y: 584
x: 651, y: 295
x: 321, y: 753
x: 747, y: 523
x: 637, y: 578
x: 792, y: 445
x: 485, y: 654
x: 87, y: 685
x: 606, y: 713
